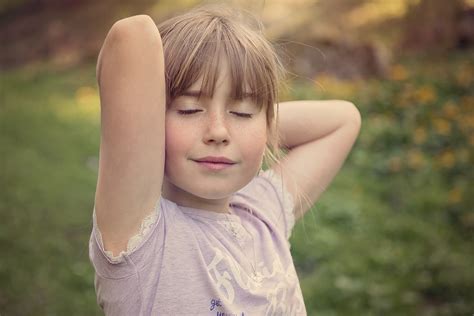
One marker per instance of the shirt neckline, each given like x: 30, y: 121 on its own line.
x: 202, y: 213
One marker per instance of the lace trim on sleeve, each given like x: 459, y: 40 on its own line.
x: 287, y: 199
x: 134, y: 241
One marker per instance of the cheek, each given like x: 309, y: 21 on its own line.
x: 253, y: 144
x: 177, y: 137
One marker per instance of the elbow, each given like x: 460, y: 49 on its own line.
x: 129, y: 37
x: 353, y: 120
x: 352, y: 113
x: 135, y: 27
x: 356, y: 116
x: 140, y: 20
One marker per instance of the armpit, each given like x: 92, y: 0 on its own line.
x: 134, y: 241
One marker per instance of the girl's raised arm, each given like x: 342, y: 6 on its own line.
x: 319, y: 135
x: 130, y: 74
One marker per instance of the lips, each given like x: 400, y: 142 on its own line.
x: 217, y: 160
x: 215, y: 164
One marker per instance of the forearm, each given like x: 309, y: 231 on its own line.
x: 301, y: 122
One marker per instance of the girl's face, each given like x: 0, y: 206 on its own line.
x: 212, y: 126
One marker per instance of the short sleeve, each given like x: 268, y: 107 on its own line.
x: 285, y: 198
x: 267, y: 195
x: 124, y: 264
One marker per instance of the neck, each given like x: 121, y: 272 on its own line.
x: 186, y: 199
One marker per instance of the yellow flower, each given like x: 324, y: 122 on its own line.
x: 467, y: 102
x: 425, y: 94
x: 420, y: 135
x: 398, y: 73
x: 464, y: 76
x: 447, y: 159
x: 333, y: 85
x: 450, y: 109
x: 455, y: 195
x: 442, y: 126
x: 470, y: 120
x: 416, y: 159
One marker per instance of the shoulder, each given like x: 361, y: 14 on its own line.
x: 268, y: 185
x: 267, y: 197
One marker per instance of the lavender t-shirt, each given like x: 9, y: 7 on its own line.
x: 188, y: 261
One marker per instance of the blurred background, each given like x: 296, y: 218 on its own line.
x: 392, y: 235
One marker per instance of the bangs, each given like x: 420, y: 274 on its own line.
x: 193, y: 49
x: 193, y: 44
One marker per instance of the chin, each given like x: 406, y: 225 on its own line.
x: 213, y: 195
x: 209, y: 188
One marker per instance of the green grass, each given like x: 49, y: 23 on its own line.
x: 49, y: 147
x: 392, y: 235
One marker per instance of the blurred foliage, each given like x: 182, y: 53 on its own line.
x: 48, y: 156
x: 435, y: 25
x: 400, y: 240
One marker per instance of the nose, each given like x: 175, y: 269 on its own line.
x: 216, y: 129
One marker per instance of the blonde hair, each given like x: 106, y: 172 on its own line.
x: 193, y: 43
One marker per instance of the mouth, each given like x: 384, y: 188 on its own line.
x: 215, y: 164
x: 216, y: 160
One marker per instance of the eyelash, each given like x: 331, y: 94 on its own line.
x: 189, y: 112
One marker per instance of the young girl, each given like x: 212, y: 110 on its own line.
x: 185, y: 220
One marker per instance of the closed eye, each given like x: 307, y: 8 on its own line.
x: 246, y: 115
x: 187, y: 112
